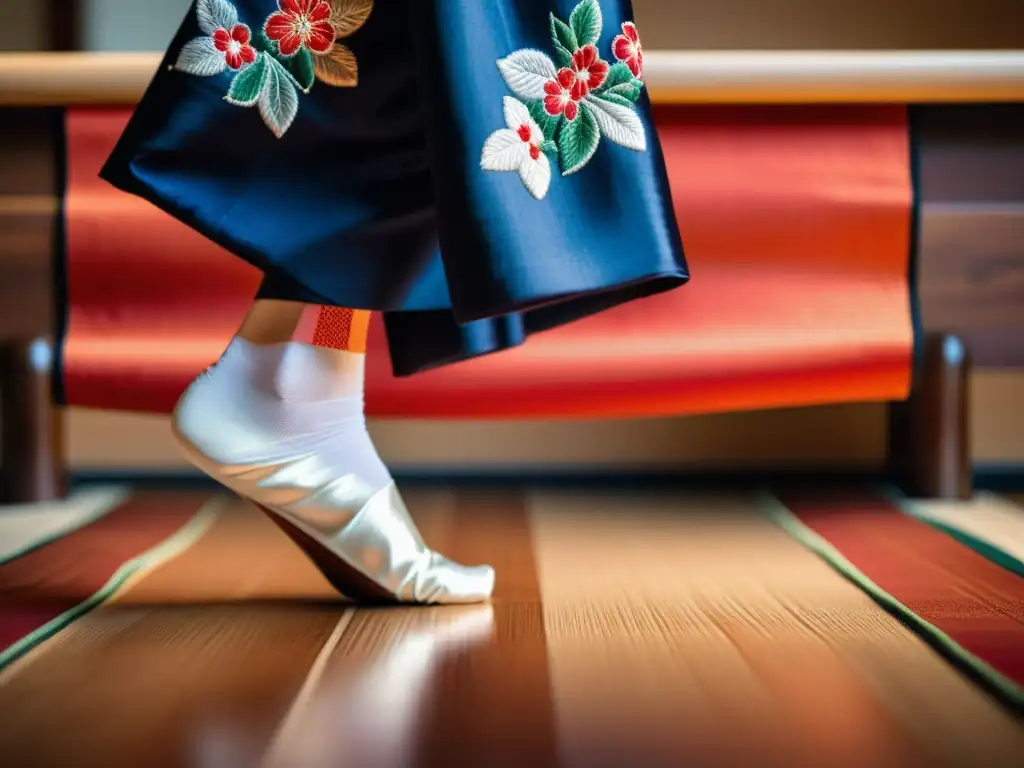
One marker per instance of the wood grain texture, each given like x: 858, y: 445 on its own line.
x: 626, y: 629
x: 155, y: 678
x: 179, y: 686
x: 672, y: 620
x: 441, y: 686
x: 243, y: 557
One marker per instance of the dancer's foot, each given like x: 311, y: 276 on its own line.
x: 282, y: 425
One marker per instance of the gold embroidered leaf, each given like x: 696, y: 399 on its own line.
x: 337, y: 68
x: 349, y: 15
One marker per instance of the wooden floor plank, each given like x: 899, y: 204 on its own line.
x: 141, y: 681
x: 245, y: 557
x: 676, y: 624
x: 625, y: 630
x: 441, y: 686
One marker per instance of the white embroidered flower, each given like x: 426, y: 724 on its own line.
x: 519, y: 147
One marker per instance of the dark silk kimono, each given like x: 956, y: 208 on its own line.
x: 478, y: 171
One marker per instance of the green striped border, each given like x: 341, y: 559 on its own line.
x: 1005, y: 689
x: 166, y: 550
x: 117, y: 497
x: 983, y: 547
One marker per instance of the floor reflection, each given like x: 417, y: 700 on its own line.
x: 366, y: 708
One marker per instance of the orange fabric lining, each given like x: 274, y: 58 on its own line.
x: 341, y: 328
x: 796, y: 222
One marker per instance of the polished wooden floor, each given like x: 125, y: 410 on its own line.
x: 653, y: 629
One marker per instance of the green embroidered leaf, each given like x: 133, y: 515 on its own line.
x: 621, y: 82
x: 586, y: 22
x: 263, y: 43
x: 630, y: 91
x: 300, y: 67
x: 563, y: 57
x: 550, y: 147
x: 618, y: 74
x: 548, y: 123
x: 297, y: 66
x: 577, y: 141
x: 564, y: 40
x: 248, y: 83
x: 278, y: 100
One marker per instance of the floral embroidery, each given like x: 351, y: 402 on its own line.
x: 301, y: 23
x: 627, y: 49
x: 297, y: 45
x: 235, y: 45
x: 519, y: 147
x: 558, y: 98
x: 588, y: 71
x: 572, y: 100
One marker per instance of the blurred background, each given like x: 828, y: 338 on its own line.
x: 843, y: 436
x: 147, y: 25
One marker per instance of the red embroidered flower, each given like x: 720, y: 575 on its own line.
x: 301, y: 23
x: 589, y: 71
x: 235, y: 45
x: 558, y: 98
x: 627, y: 49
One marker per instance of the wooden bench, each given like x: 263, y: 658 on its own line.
x: 802, y: 282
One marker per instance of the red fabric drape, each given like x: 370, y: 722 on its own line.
x: 796, y: 223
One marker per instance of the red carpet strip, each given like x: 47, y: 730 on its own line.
x: 46, y: 589
x: 967, y: 607
x: 983, y: 546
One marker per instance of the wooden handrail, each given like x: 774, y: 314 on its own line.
x: 674, y: 77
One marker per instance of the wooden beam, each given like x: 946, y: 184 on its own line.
x: 674, y: 77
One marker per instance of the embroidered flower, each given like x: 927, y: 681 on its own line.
x: 339, y: 67
x: 589, y: 71
x: 235, y: 45
x: 271, y: 69
x: 574, y: 98
x: 558, y: 98
x: 519, y: 148
x: 628, y: 49
x: 301, y: 24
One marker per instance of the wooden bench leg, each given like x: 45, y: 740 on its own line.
x: 929, y: 440
x: 31, y: 439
